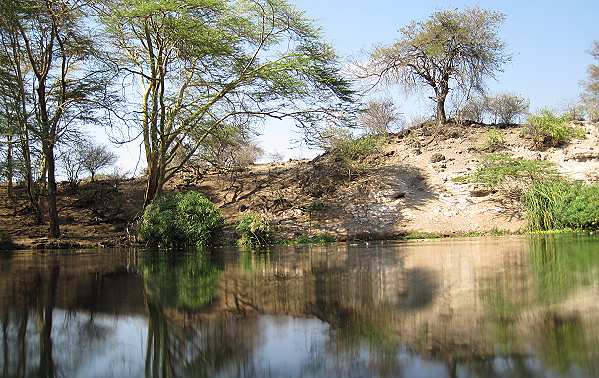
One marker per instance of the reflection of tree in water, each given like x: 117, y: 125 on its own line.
x: 182, y: 339
x: 31, y: 354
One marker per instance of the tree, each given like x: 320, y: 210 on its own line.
x: 228, y: 147
x: 205, y: 64
x: 54, y: 59
x: 72, y: 164
x: 95, y: 158
x: 380, y: 117
x: 590, y: 97
x: 451, y: 50
x: 506, y: 107
x: 473, y: 110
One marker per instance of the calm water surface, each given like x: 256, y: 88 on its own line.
x: 523, y: 307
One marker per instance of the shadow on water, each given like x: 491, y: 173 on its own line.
x: 510, y: 307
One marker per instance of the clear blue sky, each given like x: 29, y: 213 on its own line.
x: 549, y: 41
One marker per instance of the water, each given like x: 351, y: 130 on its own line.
x: 526, y: 307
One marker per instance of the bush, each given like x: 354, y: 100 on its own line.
x: 179, y: 220
x: 493, y: 141
x: 473, y: 110
x: 255, y: 230
x: 506, y: 107
x: 348, y: 151
x: 549, y: 130
x: 496, y: 169
x: 562, y: 204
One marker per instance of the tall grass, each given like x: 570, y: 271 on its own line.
x: 558, y: 204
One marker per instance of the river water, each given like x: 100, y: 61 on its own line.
x: 490, y: 307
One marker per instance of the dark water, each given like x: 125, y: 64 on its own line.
x: 522, y: 307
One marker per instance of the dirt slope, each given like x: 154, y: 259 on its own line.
x: 407, y: 186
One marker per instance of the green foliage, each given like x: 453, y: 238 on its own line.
x: 496, y: 169
x: 187, y: 281
x: 557, y: 204
x: 549, y: 130
x: 416, y: 235
x: 493, y: 141
x: 183, y: 219
x: 311, y: 239
x: 255, y: 230
x: 351, y: 152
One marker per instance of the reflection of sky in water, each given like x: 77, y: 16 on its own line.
x: 515, y: 307
x: 107, y: 347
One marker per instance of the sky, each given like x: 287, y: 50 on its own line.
x: 549, y: 42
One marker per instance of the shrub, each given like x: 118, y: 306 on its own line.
x: 506, y: 107
x: 496, y: 169
x: 473, y: 110
x: 350, y: 152
x: 561, y: 204
x: 547, y: 129
x: 255, y: 230
x: 178, y: 220
x: 493, y: 141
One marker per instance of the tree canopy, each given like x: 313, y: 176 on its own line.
x: 451, y: 50
x: 200, y: 65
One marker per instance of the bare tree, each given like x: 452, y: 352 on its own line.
x: 380, y: 117
x: 473, y: 110
x: 590, y: 97
x: 452, y: 49
x: 95, y: 158
x: 505, y: 108
x: 72, y: 164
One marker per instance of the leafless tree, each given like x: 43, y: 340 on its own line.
x: 505, y: 108
x: 380, y: 117
x: 590, y: 97
x: 453, y: 49
x: 95, y: 158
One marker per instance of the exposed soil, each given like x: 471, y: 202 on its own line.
x: 406, y: 186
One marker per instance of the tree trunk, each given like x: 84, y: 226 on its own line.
x: 9, y: 167
x: 31, y: 187
x: 52, y: 208
x: 441, y: 117
x: 153, y: 185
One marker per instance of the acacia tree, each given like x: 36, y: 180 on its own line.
x: 453, y: 49
x: 53, y: 58
x: 200, y: 65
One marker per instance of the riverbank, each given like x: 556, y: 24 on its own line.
x: 407, y: 188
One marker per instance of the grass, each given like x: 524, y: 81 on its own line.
x: 560, y: 204
x: 423, y: 235
x: 496, y: 169
x: 320, y: 239
x: 493, y: 141
x: 549, y: 130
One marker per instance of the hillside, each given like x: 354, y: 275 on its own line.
x: 406, y: 186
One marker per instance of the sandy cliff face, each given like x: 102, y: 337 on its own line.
x: 408, y: 186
